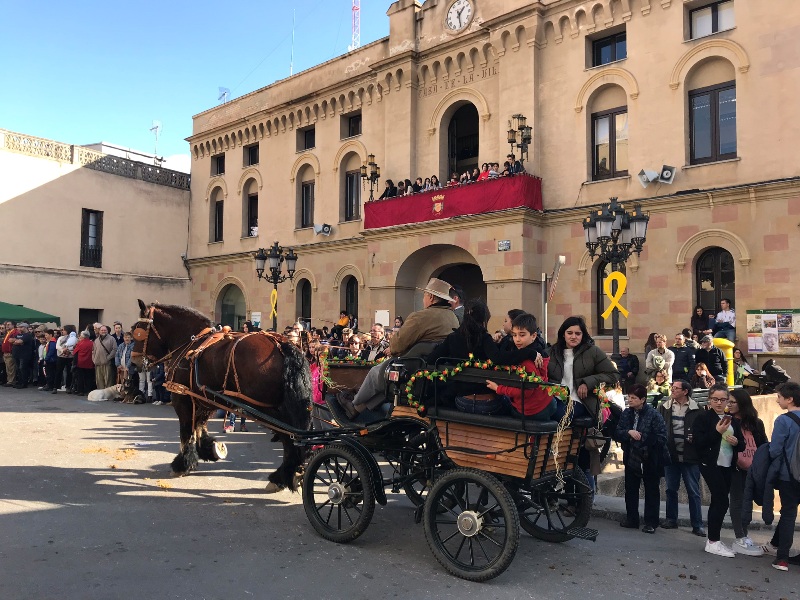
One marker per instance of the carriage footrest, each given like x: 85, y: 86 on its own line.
x: 583, y: 533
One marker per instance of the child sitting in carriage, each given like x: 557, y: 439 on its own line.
x: 537, y: 405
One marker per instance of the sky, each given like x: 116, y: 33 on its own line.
x: 86, y: 71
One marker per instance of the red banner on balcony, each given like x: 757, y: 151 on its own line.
x: 471, y: 199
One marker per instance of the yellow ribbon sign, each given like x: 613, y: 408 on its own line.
x: 615, y: 298
x: 273, y: 300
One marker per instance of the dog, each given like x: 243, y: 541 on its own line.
x: 109, y: 393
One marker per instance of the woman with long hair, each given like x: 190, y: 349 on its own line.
x: 699, y: 322
x: 702, y: 378
x: 717, y: 436
x: 741, y: 368
x: 650, y: 344
x: 740, y: 406
x: 578, y: 364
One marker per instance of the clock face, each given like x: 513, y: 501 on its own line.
x: 459, y: 15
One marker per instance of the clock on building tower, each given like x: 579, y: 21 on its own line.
x: 459, y: 15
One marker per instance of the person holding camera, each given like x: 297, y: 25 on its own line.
x: 717, y: 437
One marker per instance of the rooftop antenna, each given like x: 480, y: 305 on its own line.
x: 356, y: 42
x: 291, y: 60
x: 224, y: 94
x: 156, y: 129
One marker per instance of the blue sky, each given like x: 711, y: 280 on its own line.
x: 88, y: 71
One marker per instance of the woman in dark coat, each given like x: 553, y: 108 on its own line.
x: 699, y: 322
x: 643, y: 435
x: 578, y: 364
x: 718, y: 439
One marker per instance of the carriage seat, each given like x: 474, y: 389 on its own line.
x: 499, y: 422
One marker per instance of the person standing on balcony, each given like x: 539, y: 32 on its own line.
x: 389, y: 192
x: 514, y: 166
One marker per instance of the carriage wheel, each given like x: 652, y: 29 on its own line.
x: 548, y: 511
x: 337, y: 494
x: 417, y: 467
x: 471, y: 524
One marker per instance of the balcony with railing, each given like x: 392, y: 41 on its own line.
x: 480, y: 197
x: 91, y: 256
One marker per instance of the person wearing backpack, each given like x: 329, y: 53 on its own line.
x: 785, y: 444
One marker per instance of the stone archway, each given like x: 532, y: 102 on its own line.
x: 434, y: 261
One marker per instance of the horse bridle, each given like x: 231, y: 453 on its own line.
x: 141, y: 334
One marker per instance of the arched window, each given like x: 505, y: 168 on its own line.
x: 602, y: 302
x: 712, y: 111
x: 350, y: 205
x: 305, y: 197
x: 250, y: 209
x: 232, y: 309
x: 609, y: 133
x: 716, y: 279
x: 217, y: 212
x: 351, y: 296
x: 304, y: 301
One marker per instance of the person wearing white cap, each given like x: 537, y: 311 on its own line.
x: 420, y: 333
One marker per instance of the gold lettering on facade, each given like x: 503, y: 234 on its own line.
x: 450, y: 84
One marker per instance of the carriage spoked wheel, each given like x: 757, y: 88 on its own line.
x: 549, y: 510
x: 337, y: 494
x: 415, y: 466
x: 471, y: 524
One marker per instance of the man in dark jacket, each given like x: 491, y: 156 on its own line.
x: 628, y: 367
x: 22, y: 348
x: 712, y: 357
x: 679, y: 413
x: 683, y: 365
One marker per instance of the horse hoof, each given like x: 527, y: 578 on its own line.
x: 273, y: 488
x: 220, y: 450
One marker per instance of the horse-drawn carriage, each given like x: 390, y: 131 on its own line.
x: 475, y: 479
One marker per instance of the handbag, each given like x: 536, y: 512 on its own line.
x: 595, y: 440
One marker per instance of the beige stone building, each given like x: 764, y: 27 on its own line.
x: 610, y: 88
x: 85, y: 234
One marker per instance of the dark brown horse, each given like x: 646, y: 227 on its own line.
x: 263, y: 371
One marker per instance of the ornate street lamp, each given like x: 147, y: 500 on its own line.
x: 612, y: 235
x: 271, y: 263
x: 520, y: 136
x: 370, y: 171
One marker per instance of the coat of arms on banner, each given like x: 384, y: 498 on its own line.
x: 438, y: 204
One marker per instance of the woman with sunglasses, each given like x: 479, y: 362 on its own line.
x: 718, y: 438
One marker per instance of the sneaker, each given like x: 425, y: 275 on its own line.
x: 42, y: 388
x: 781, y: 565
x: 157, y: 403
x: 243, y: 428
x: 227, y: 428
x: 746, y: 546
x: 719, y: 549
x: 769, y: 549
x: 63, y: 388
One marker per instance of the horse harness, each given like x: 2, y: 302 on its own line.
x: 204, y: 339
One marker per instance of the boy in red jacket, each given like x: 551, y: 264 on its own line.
x: 538, y: 406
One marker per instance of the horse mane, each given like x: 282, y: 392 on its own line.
x: 184, y: 312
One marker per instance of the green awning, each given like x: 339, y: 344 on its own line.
x: 17, y: 313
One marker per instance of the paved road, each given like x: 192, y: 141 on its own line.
x: 88, y: 510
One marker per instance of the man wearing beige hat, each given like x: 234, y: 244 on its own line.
x: 420, y: 332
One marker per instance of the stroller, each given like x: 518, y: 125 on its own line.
x: 773, y: 375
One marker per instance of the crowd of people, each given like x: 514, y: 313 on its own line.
x: 725, y: 443
x: 406, y: 187
x: 692, y: 357
x: 65, y: 360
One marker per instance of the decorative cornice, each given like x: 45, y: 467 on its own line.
x: 217, y: 182
x: 715, y: 237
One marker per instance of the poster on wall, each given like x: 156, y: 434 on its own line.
x: 773, y: 331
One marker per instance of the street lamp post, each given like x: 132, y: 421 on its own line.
x: 370, y: 171
x: 520, y: 136
x: 612, y: 235
x: 271, y: 272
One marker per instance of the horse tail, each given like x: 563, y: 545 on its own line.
x: 297, y: 390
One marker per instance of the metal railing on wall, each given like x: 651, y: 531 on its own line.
x: 91, y: 159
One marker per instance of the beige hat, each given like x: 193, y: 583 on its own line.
x: 439, y: 288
